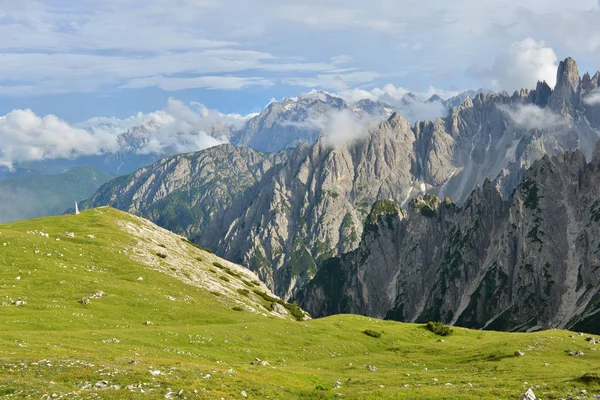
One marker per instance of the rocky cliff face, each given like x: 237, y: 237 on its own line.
x: 313, y: 205
x: 183, y: 193
x: 526, y: 263
x: 292, y: 122
x: 316, y: 204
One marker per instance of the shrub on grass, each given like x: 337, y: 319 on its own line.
x: 161, y: 255
x: 256, y: 283
x: 295, y: 311
x: 439, y: 329
x: 372, y: 333
x: 247, y: 283
x: 224, y: 278
x: 196, y: 246
x: 236, y: 308
x: 232, y: 273
x: 589, y: 378
x: 219, y: 265
x: 216, y: 294
x: 243, y: 292
x: 291, y: 308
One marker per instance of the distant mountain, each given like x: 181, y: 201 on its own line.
x: 289, y: 123
x: 527, y: 263
x: 313, y: 204
x: 304, y: 119
x: 184, y: 192
x: 40, y: 195
x: 281, y: 125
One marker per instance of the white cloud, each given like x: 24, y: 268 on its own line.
x: 532, y: 117
x: 28, y: 137
x: 412, y: 106
x: 177, y: 128
x: 49, y: 47
x: 340, y: 81
x: 344, y: 127
x: 337, y: 127
x: 184, y: 131
x: 522, y: 65
x: 206, y: 82
x: 593, y: 98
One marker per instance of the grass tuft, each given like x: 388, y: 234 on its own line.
x: 372, y: 333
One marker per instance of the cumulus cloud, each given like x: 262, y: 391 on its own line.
x: 344, y: 127
x: 185, y: 129
x: 522, y: 65
x: 532, y: 117
x: 593, y: 98
x: 28, y: 137
x: 338, y: 127
x: 177, y: 128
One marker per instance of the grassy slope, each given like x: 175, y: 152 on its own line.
x: 39, y: 195
x: 198, y: 334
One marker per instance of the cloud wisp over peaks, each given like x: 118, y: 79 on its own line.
x: 177, y: 128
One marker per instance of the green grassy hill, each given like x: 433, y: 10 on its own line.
x: 39, y: 195
x: 110, y: 306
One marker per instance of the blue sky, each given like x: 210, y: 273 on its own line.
x: 79, y: 59
x: 64, y: 62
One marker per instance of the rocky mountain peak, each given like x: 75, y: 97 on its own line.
x: 565, y: 96
x: 568, y: 74
x: 596, y: 155
x: 541, y: 94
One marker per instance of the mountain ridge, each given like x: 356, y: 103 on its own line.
x: 314, y: 203
x: 526, y: 263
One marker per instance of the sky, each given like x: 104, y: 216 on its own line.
x: 72, y: 61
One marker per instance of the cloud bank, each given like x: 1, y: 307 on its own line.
x: 593, y: 98
x: 178, y: 128
x: 28, y: 137
x: 412, y: 106
x: 532, y: 117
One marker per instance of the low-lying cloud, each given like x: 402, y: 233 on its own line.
x: 593, y: 98
x: 339, y: 127
x: 28, y: 137
x: 412, y: 106
x: 532, y: 117
x: 177, y: 128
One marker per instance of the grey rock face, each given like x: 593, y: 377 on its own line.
x: 315, y: 205
x: 526, y: 263
x: 293, y: 122
x: 290, y: 215
x: 182, y: 193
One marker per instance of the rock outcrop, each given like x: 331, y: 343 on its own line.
x: 183, y: 193
x: 530, y: 262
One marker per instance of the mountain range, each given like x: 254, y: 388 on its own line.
x: 313, y: 202
x: 530, y: 262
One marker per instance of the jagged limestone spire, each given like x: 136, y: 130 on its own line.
x: 76, y: 209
